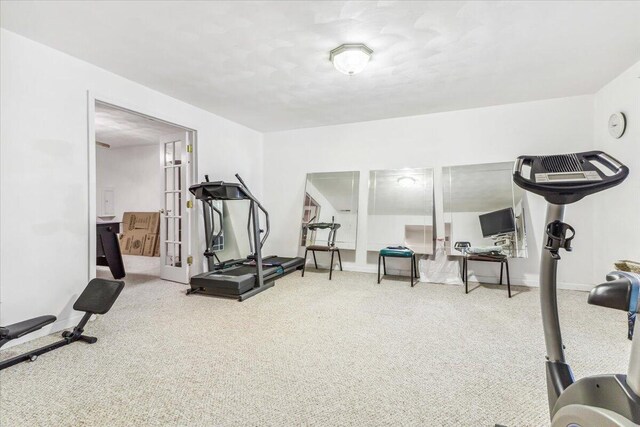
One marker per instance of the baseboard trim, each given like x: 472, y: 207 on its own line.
x: 493, y: 280
x: 54, y: 327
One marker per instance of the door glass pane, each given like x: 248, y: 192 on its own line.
x: 168, y: 154
x: 177, y: 207
x: 169, y: 197
x: 177, y: 150
x: 177, y: 257
x: 168, y: 179
x: 169, y: 254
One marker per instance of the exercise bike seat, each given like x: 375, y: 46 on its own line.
x: 19, y: 329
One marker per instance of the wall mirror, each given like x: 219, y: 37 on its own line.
x: 400, y: 210
x: 484, y: 207
x: 331, y: 197
x: 233, y: 242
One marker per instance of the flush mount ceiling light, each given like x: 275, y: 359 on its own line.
x: 406, y: 181
x: 350, y: 59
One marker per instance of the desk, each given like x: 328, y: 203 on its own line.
x: 502, y: 259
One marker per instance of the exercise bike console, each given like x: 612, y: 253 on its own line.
x: 566, y: 178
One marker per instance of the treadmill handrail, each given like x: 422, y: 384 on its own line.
x: 217, y: 211
x: 266, y: 214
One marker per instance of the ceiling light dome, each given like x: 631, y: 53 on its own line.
x: 406, y: 181
x: 350, y: 59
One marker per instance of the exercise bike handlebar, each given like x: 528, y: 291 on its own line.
x: 566, y: 178
x: 620, y: 292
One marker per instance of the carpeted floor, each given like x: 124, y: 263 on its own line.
x: 310, y: 351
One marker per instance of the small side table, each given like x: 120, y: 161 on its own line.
x: 502, y: 259
x: 398, y: 253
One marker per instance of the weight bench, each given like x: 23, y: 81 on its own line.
x: 97, y: 298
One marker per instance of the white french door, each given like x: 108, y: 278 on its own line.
x: 175, y: 220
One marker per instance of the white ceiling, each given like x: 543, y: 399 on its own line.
x: 479, y: 188
x: 120, y: 128
x: 265, y: 64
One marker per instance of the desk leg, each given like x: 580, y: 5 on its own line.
x: 331, y: 266
x: 412, y: 270
x: 466, y: 275
x: 501, y: 268
x: 508, y: 278
x: 304, y: 266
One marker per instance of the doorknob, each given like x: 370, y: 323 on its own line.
x: 161, y: 211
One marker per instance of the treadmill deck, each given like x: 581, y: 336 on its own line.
x: 236, y: 280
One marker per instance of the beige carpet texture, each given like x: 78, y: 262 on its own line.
x: 310, y: 352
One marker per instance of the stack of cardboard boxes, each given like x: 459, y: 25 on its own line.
x: 140, y: 234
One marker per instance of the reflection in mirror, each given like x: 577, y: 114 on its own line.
x: 400, y: 210
x: 331, y: 197
x: 236, y: 237
x: 483, y: 209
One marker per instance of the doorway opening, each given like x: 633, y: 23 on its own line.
x: 143, y: 170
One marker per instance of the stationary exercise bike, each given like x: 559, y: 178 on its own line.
x: 602, y: 400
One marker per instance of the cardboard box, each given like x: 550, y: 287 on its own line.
x: 150, y: 243
x: 132, y: 242
x: 147, y: 221
x: 156, y: 251
x: 140, y: 233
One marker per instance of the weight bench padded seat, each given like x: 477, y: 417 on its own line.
x: 99, y: 295
x: 25, y: 327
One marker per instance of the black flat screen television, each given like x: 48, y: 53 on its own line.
x: 498, y: 222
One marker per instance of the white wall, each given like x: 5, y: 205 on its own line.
x: 134, y: 174
x: 616, y: 228
x: 44, y: 202
x: 483, y: 135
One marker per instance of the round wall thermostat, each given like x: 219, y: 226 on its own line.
x: 617, y: 124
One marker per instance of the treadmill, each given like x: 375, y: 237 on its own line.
x: 240, y: 278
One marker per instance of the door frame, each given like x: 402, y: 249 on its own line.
x: 153, y: 113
